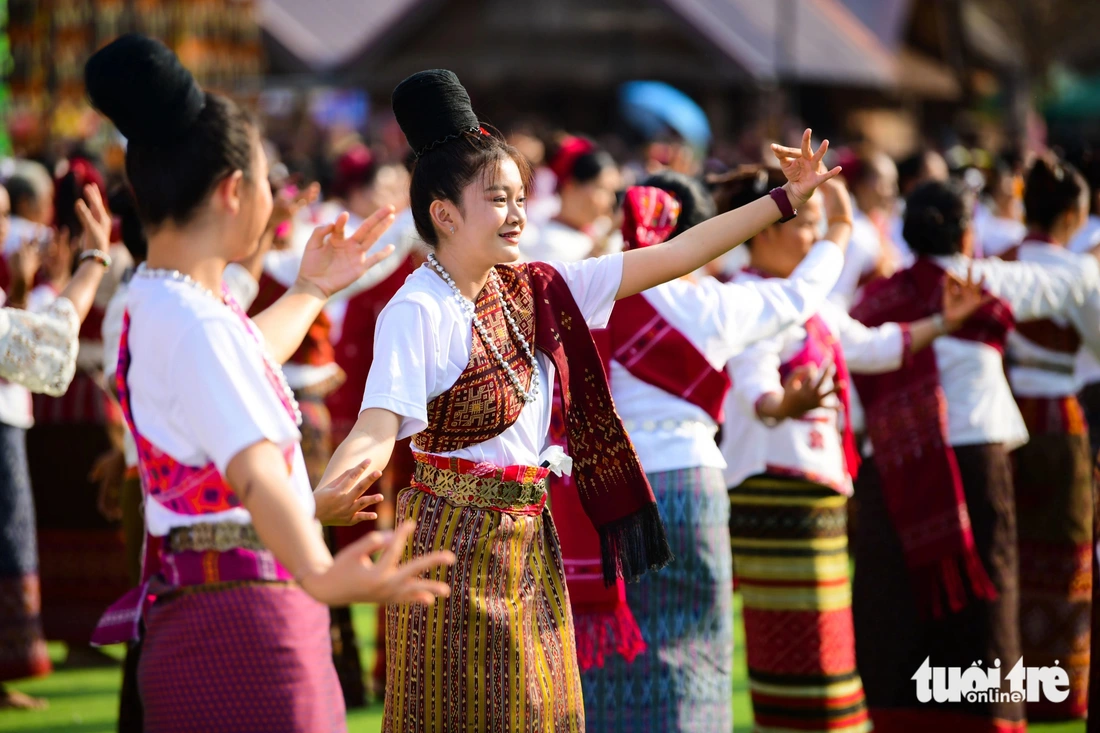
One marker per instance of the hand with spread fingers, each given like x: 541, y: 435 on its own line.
x: 95, y: 219
x: 806, y: 388
x: 354, y: 578
x: 801, y: 167
x: 333, y: 261
x: 342, y: 502
x: 962, y: 299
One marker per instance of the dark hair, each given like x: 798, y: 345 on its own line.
x: 133, y: 233
x: 442, y: 173
x: 182, y: 141
x: 20, y: 192
x: 69, y: 189
x: 578, y: 159
x: 1051, y: 188
x: 936, y: 215
x: 744, y: 185
x: 696, y: 203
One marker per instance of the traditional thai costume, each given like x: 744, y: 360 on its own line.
x: 791, y: 482
x: 1053, y: 477
x: 498, y: 654
x: 230, y: 642
x: 936, y: 562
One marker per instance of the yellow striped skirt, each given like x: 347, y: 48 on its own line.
x: 499, y: 653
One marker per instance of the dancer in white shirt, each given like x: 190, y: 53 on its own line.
x: 936, y: 567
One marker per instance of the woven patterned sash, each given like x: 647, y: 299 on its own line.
x: 482, y: 404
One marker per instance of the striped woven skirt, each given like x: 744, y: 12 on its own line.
x: 1053, y: 478
x: 22, y: 646
x: 893, y: 639
x: 498, y: 654
x: 683, y: 681
x: 790, y: 548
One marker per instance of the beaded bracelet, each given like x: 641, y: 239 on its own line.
x: 98, y: 255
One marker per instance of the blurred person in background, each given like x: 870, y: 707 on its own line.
x: 37, y: 352
x: 30, y: 190
x: 587, y: 184
x: 1087, y: 368
x: 791, y: 456
x: 668, y: 348
x: 999, y: 226
x: 82, y: 556
x: 926, y: 164
x: 935, y: 548
x: 873, y: 180
x: 1054, y: 471
x: 365, y: 185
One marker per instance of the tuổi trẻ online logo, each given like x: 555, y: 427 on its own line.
x: 985, y: 684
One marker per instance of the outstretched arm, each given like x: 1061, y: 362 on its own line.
x: 330, y: 263
x: 370, y: 444
x: 650, y: 266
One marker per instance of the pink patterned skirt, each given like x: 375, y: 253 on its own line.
x: 239, y: 656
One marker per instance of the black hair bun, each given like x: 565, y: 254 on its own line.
x: 432, y: 107
x: 143, y: 88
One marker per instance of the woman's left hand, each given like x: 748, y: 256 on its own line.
x: 961, y: 299
x: 332, y: 261
x: 342, y: 502
x: 801, y: 167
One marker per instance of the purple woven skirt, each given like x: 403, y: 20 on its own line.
x: 252, y: 656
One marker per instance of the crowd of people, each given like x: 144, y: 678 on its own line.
x: 565, y: 413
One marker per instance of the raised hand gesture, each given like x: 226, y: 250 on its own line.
x: 807, y: 388
x: 343, y: 501
x: 95, y: 219
x: 333, y: 261
x: 355, y: 578
x: 800, y: 166
x: 962, y: 299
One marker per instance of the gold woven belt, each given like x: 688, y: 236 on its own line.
x: 482, y: 492
x: 216, y: 537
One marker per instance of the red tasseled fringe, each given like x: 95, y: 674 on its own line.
x: 933, y: 583
x: 603, y: 633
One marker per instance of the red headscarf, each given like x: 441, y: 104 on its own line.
x: 565, y: 158
x: 649, y: 216
x: 353, y: 168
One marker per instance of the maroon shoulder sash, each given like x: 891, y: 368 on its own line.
x: 652, y: 350
x: 907, y: 422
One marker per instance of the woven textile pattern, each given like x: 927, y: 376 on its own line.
x: 243, y: 657
x: 483, y: 403
x: 498, y: 654
x: 790, y: 548
x: 683, y: 681
x: 1053, y: 480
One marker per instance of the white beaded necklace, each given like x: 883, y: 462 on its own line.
x: 148, y: 273
x: 471, y: 309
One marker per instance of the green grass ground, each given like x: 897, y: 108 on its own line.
x: 85, y: 701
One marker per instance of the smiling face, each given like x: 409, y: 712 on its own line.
x: 492, y: 216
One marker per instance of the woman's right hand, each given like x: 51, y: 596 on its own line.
x: 801, y: 167
x: 354, y: 578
